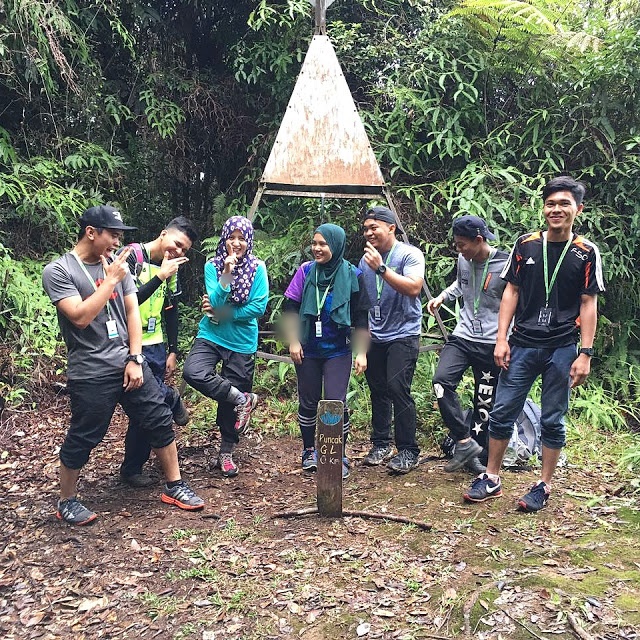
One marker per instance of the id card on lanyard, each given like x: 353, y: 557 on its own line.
x: 320, y: 304
x: 545, y: 315
x: 476, y: 325
x: 111, y: 324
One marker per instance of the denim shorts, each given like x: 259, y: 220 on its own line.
x: 527, y: 363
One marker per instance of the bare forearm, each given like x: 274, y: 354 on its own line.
x: 588, y: 319
x: 407, y: 286
x: 82, y: 312
x: 134, y: 324
x: 508, y: 307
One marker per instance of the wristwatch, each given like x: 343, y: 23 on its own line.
x: 138, y: 358
x: 381, y: 269
x: 588, y: 351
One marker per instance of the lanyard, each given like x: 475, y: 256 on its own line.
x: 548, y: 284
x: 380, y: 279
x: 91, y: 280
x: 319, y: 302
x: 476, y: 295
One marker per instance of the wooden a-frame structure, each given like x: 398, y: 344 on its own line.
x: 322, y: 149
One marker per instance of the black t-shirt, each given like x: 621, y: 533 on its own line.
x: 580, y: 273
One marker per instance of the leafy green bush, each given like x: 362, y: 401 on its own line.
x: 28, y: 322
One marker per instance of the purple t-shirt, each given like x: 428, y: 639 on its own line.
x: 335, y: 340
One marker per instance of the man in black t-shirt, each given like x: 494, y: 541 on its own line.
x: 553, y: 280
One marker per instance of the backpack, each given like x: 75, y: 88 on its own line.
x: 525, y: 441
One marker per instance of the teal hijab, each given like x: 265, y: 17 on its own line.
x: 337, y: 275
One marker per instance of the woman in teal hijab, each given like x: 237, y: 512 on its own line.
x: 327, y: 298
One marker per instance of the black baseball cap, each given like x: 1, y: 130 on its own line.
x: 105, y: 217
x: 471, y: 227
x: 380, y: 213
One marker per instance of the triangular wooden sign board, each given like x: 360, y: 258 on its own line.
x: 322, y: 146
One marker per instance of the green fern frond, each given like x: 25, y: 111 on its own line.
x: 524, y: 15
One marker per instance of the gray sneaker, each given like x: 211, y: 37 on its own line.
x: 183, y: 496
x: 244, y: 411
x: 475, y: 466
x: 180, y: 413
x: 73, y: 511
x: 377, y: 455
x: 403, y: 462
x: 346, y: 466
x: 462, y: 454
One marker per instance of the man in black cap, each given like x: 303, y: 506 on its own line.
x: 393, y: 273
x: 472, y: 342
x: 96, y: 301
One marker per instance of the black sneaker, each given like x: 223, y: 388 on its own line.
x: 137, y: 480
x: 475, y: 466
x: 183, y: 496
x: 483, y: 488
x: 378, y: 455
x: 536, y: 499
x: 180, y: 413
x: 309, y: 460
x: 243, y: 412
x: 403, y: 462
x: 461, y: 454
x: 73, y: 511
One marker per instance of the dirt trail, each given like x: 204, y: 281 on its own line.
x: 145, y: 570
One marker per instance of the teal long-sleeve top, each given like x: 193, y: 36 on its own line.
x: 237, y: 328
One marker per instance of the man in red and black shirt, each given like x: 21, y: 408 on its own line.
x: 553, y: 280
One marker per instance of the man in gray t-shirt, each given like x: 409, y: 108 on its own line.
x: 393, y: 273
x: 97, y: 307
x: 480, y: 287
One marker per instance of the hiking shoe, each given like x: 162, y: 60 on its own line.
x: 377, y: 455
x: 180, y: 413
x: 346, y: 466
x: 403, y: 462
x: 475, y: 466
x: 461, y: 454
x: 483, y: 488
x: 243, y: 412
x: 309, y: 460
x: 536, y: 499
x: 73, y: 511
x: 137, y: 480
x: 183, y: 496
x: 228, y: 467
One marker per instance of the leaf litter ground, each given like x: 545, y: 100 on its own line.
x: 146, y: 570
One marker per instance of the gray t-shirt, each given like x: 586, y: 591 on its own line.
x: 400, y: 315
x: 489, y: 290
x: 91, y: 353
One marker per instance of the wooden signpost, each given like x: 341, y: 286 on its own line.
x: 330, y: 448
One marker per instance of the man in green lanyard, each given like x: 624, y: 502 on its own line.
x: 472, y: 342
x: 393, y: 274
x: 553, y: 281
x: 154, y: 266
x: 95, y: 297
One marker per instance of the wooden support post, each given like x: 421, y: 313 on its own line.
x: 330, y: 448
x: 256, y: 201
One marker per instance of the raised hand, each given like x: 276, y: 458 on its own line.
x: 372, y: 256
x: 434, y: 304
x: 170, y: 266
x: 118, y: 269
x: 231, y: 260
